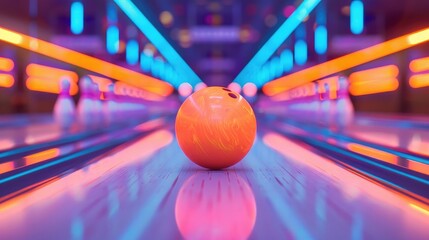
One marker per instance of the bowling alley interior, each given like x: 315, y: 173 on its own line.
x: 214, y: 119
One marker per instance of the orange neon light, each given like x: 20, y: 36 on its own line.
x: 374, y: 80
x: 418, y: 37
x: 6, y: 80
x: 49, y: 85
x: 389, y: 71
x: 41, y: 156
x: 345, y: 62
x: 44, y: 72
x: 419, y: 65
x: 10, y: 37
x: 419, y: 80
x: 93, y: 64
x: 374, y: 86
x: 6, y: 64
x: 372, y: 152
x: 6, y: 167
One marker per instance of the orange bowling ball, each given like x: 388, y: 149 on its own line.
x: 215, y: 127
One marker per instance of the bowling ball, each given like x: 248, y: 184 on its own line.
x: 215, y: 127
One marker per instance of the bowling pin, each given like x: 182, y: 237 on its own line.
x: 86, y: 103
x: 344, y: 106
x: 110, y: 104
x: 64, y: 108
x: 326, y: 102
x: 316, y: 104
x: 97, y: 105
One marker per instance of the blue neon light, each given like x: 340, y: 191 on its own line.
x: 356, y: 16
x: 262, y: 76
x: 300, y: 52
x: 272, y: 68
x: 321, y: 40
x: 157, y: 68
x: 146, y: 62
x: 278, y: 68
x: 132, y: 52
x: 155, y: 37
x: 286, y: 59
x: 76, y: 18
x: 168, y: 72
x: 112, y: 39
x: 274, y: 42
x: 266, y: 74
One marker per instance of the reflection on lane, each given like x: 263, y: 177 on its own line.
x: 215, y: 205
x: 372, y: 152
x: 30, y: 134
x: 6, y: 143
x: 81, y: 204
x: 342, y: 205
x: 414, y: 140
x: 25, y: 135
x: 76, y: 146
x: 419, y: 144
x: 389, y: 158
x: 369, y: 141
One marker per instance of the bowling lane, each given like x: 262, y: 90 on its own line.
x: 148, y: 189
x: 20, y: 120
x: 407, y: 134
x: 19, y: 131
x: 30, y: 135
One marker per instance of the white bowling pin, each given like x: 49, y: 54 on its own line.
x: 64, y: 108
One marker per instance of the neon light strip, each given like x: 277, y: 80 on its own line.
x: 45, y: 72
x: 374, y: 86
x: 6, y: 64
x: 356, y: 17
x: 48, y: 85
x: 147, y: 28
x: 268, y: 49
x: 419, y: 65
x: 132, y: 52
x: 47, y: 79
x: 300, y: 52
x: 378, y: 73
x: 6, y: 80
x: 346, y: 62
x: 76, y: 17
x: 419, y: 80
x: 112, y: 39
x: 321, y: 40
x: 86, y: 62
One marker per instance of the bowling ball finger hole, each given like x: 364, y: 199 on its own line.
x: 226, y: 89
x: 232, y: 95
